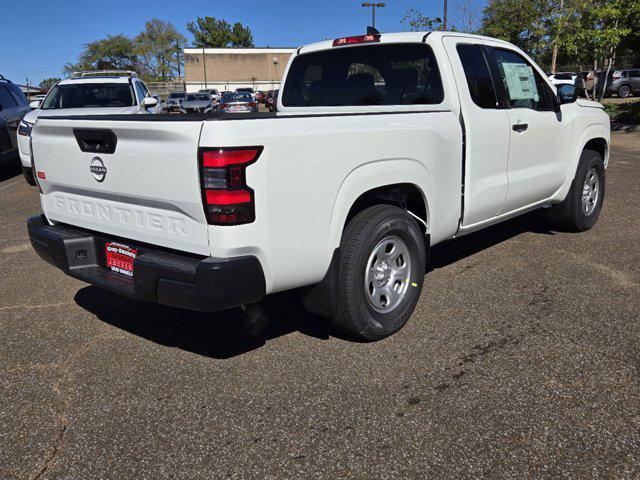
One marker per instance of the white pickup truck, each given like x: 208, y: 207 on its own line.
x: 382, y: 146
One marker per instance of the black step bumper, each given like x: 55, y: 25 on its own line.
x: 179, y: 280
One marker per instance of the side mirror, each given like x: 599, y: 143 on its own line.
x: 35, y: 104
x: 567, y: 94
x: 149, y: 102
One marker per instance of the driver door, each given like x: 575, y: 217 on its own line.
x: 540, y: 136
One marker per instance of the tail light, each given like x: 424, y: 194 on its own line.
x: 227, y: 198
x: 616, y: 77
x: 253, y: 104
x: 223, y: 106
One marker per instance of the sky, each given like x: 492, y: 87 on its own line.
x: 39, y: 37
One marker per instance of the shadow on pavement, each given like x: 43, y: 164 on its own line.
x: 234, y: 332
x: 449, y: 252
x: 218, y: 335
x: 10, y: 170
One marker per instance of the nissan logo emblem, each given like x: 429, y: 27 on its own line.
x: 98, y: 169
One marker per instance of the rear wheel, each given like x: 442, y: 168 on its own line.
x: 624, y: 91
x: 580, y: 209
x: 381, y: 272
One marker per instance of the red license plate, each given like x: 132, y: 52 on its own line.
x: 120, y: 258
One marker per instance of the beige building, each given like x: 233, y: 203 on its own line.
x: 231, y: 68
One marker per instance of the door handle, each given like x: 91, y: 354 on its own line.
x: 520, y: 127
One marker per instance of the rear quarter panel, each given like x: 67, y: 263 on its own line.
x: 313, y: 168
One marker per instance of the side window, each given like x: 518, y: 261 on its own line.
x: 145, y: 89
x: 476, y: 69
x: 634, y: 73
x: 140, y: 91
x: 17, y: 94
x: 524, y: 87
x: 6, y: 100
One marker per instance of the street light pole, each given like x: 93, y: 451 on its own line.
x: 445, y: 12
x: 204, y: 67
x: 373, y: 10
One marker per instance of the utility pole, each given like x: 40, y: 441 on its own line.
x: 204, y: 67
x: 554, y: 54
x: 444, y: 16
x: 373, y: 11
x: 178, y: 48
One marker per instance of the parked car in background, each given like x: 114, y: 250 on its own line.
x: 563, y: 78
x: 13, y: 107
x: 247, y: 90
x: 197, y: 103
x: 625, y: 82
x: 213, y: 93
x: 383, y: 146
x: 272, y: 100
x: 39, y: 97
x: 86, y: 93
x: 174, y: 101
x: 237, y: 103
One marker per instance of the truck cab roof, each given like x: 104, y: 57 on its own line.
x: 401, y: 37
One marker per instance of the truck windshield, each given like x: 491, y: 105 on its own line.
x: 89, y: 95
x: 383, y: 74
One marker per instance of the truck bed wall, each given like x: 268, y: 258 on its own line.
x: 313, y: 169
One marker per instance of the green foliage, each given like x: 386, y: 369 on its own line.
x: 116, y: 52
x: 418, y: 22
x: 585, y: 31
x: 158, y: 48
x: 209, y: 32
x: 47, y: 83
x: 524, y: 23
x: 628, y: 112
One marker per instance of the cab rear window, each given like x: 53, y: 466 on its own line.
x: 387, y: 74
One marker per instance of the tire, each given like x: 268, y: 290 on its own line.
x: 624, y: 91
x: 382, y: 267
x: 28, y: 176
x: 574, y: 214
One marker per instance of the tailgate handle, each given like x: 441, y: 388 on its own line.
x: 96, y: 141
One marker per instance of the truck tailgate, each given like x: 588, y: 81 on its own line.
x: 147, y: 189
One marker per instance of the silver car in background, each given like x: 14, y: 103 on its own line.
x: 237, y: 103
x: 196, y: 103
x: 174, y: 101
x: 625, y: 82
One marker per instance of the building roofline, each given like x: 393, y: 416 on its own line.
x: 241, y: 50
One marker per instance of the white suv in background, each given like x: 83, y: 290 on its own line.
x: 86, y: 93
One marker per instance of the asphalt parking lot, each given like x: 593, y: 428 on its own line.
x: 521, y: 361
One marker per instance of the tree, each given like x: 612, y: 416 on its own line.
x: 468, y: 15
x: 47, y: 83
x: 524, y: 23
x: 241, y: 36
x: 418, y: 22
x: 116, y: 52
x: 209, y: 32
x: 158, y: 47
x: 596, y: 30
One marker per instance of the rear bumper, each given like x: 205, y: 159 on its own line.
x: 177, y: 280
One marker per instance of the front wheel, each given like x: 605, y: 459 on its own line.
x: 580, y: 209
x: 382, y: 267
